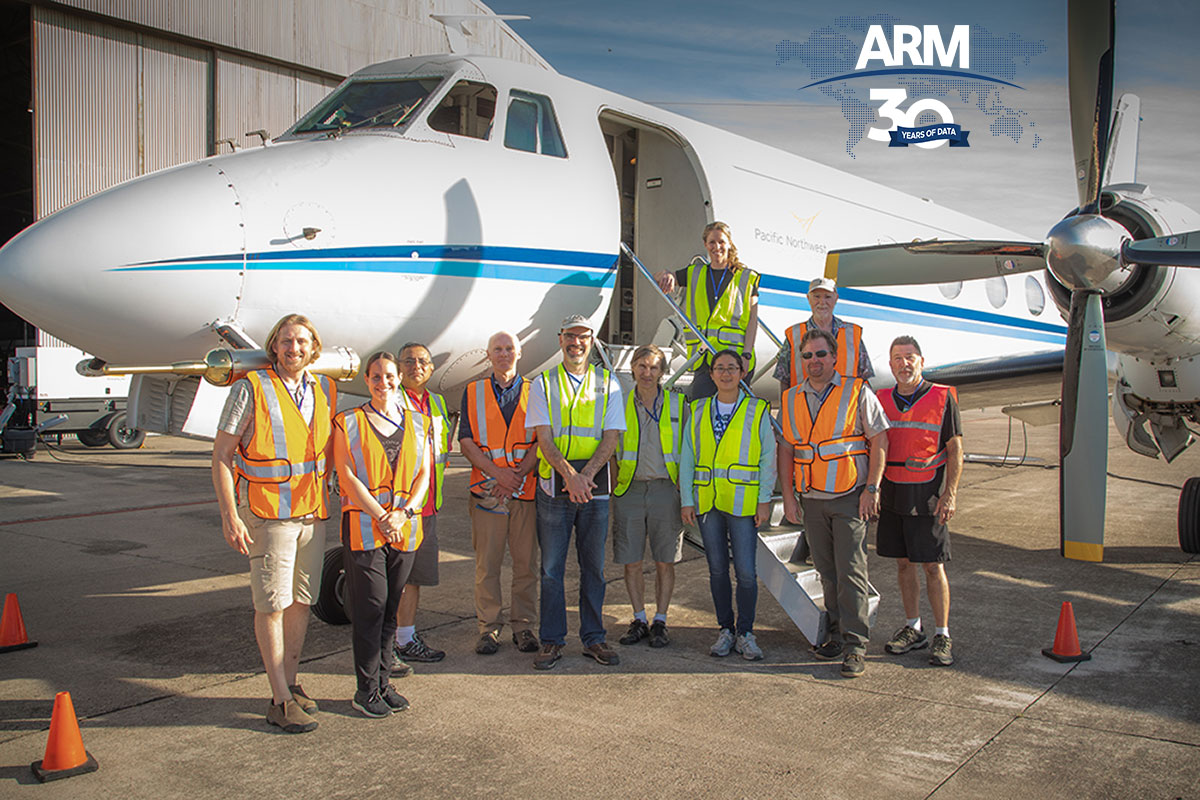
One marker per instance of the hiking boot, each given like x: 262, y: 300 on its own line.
x: 488, y: 644
x: 638, y: 630
x: 525, y: 641
x: 371, y: 704
x: 550, y: 655
x: 939, y: 654
x: 417, y: 650
x: 306, y: 703
x: 604, y: 655
x: 290, y: 717
x: 395, y: 701
x: 905, y: 639
x: 853, y: 665
x: 830, y: 651
x: 658, y: 634
x: 723, y: 645
x: 749, y: 648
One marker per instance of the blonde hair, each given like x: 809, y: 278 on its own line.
x: 734, y: 263
x: 293, y: 319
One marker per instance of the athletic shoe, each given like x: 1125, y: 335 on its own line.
x: 525, y: 641
x: 604, y: 655
x: 290, y: 717
x: 417, y: 650
x: 638, y: 630
x: 748, y: 647
x: 399, y: 668
x: 488, y: 644
x: 658, y: 634
x: 723, y: 645
x: 371, y: 704
x: 306, y: 703
x: 395, y: 701
x: 905, y: 639
x: 550, y: 655
x: 939, y: 654
x: 853, y: 665
x: 831, y: 650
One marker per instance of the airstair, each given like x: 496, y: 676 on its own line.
x: 782, y: 562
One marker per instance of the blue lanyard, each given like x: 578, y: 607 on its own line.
x: 652, y: 412
x: 385, y: 416
x: 303, y: 390
x: 717, y: 285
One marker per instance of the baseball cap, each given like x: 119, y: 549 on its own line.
x: 828, y: 284
x: 576, y: 321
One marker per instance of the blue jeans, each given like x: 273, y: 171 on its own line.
x: 556, y: 516
x: 720, y: 533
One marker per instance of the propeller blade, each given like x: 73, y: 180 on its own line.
x: 1090, y: 35
x: 1173, y: 250
x: 932, y: 262
x: 1120, y: 165
x: 1083, y: 432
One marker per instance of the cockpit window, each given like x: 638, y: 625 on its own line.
x: 387, y: 103
x: 531, y: 125
x: 466, y: 110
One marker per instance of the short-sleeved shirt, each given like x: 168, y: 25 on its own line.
x: 783, y: 366
x: 914, y: 499
x: 237, y: 417
x: 651, y: 464
x: 870, y: 421
x: 537, y: 412
x: 507, y: 398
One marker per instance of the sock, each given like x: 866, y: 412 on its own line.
x: 661, y: 618
x: 640, y: 615
x: 404, y: 634
x: 915, y: 623
x: 942, y: 632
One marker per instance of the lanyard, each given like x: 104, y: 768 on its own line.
x: 717, y: 284
x: 654, y: 412
x: 385, y: 416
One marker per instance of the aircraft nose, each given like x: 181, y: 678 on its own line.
x: 142, y: 267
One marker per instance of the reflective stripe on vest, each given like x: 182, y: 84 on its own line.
x: 441, y: 429
x: 726, y: 474
x: 915, y: 449
x: 384, y: 481
x: 670, y: 434
x: 503, y: 443
x: 828, y: 455
x: 577, y: 433
x: 849, y: 345
x: 725, y: 324
x: 284, y: 464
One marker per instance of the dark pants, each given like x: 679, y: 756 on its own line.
x: 721, y: 533
x: 374, y: 581
x: 556, y: 518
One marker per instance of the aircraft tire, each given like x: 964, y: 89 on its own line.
x: 329, y: 606
x: 92, y: 437
x: 1189, y: 516
x: 121, y: 436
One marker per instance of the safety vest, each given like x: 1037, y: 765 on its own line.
x: 284, y: 464
x: 915, y: 449
x: 724, y: 325
x: 441, y: 436
x: 726, y: 474
x: 849, y: 346
x: 386, y: 482
x: 503, y: 443
x: 670, y: 434
x: 576, y: 417
x: 828, y: 454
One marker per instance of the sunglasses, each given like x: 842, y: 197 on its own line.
x: 818, y: 354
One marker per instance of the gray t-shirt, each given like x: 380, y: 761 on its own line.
x: 870, y: 420
x: 651, y: 465
x: 237, y: 417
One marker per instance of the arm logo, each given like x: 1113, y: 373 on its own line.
x: 969, y: 66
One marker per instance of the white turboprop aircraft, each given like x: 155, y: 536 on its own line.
x: 438, y: 199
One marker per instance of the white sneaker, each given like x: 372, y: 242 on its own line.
x: 748, y: 647
x: 723, y: 645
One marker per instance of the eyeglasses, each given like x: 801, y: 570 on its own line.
x: 727, y: 368
x: 577, y: 337
x: 412, y: 362
x: 818, y: 354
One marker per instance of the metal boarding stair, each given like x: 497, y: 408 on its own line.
x: 781, y: 552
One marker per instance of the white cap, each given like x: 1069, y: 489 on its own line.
x: 576, y: 321
x: 828, y: 284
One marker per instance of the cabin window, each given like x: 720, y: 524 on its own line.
x: 1035, y: 297
x: 467, y: 110
x: 996, y: 289
x: 369, y: 103
x: 531, y: 125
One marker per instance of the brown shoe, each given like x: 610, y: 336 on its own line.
x: 550, y: 655
x: 290, y: 717
x: 306, y: 703
x: 604, y: 655
x: 525, y: 641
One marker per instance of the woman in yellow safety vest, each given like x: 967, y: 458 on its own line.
x: 381, y: 455
x: 726, y: 477
x: 721, y: 299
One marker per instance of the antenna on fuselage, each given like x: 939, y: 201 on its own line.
x: 457, y: 30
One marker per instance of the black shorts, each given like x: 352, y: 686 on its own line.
x: 425, y: 565
x: 920, y: 539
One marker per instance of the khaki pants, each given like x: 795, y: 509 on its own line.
x: 490, y: 532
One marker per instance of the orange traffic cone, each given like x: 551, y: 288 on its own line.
x: 12, y: 627
x: 1066, y: 640
x: 65, y: 755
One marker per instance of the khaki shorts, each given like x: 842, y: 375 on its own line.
x: 286, y: 557
x: 647, y: 510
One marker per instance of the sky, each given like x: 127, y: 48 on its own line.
x: 718, y: 63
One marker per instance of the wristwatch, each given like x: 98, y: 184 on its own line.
x: 872, y: 488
